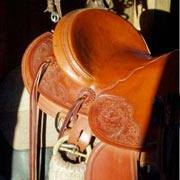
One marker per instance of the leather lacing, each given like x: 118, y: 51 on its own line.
x: 33, y: 131
x: 72, y: 114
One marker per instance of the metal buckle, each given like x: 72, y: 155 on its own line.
x: 73, y: 149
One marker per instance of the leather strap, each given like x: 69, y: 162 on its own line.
x: 79, y: 132
x: 71, y: 114
x: 33, y: 122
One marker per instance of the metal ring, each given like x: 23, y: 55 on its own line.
x: 54, y: 17
x: 57, y: 122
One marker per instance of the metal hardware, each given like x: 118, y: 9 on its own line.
x: 70, y: 148
x: 57, y: 122
x: 55, y: 17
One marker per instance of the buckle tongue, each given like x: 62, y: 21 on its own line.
x: 72, y: 150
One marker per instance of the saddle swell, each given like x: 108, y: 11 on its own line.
x: 87, y: 48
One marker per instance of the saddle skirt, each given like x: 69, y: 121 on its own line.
x: 96, y: 54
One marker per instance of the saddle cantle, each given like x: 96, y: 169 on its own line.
x: 96, y: 54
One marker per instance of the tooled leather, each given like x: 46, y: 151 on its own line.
x: 111, y: 119
x: 54, y: 86
x: 51, y: 85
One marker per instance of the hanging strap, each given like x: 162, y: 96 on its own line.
x: 72, y: 114
x: 78, y: 129
x: 33, y: 122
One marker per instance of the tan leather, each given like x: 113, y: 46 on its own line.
x: 101, y: 51
x: 108, y: 162
x: 121, y: 69
x: 87, y: 47
x: 54, y: 88
x: 98, y: 54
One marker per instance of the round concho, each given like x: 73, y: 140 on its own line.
x: 111, y: 120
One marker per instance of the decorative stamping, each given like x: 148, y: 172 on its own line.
x: 90, y: 95
x: 111, y: 117
x: 53, y: 84
x: 50, y: 82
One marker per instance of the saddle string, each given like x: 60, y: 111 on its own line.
x: 72, y: 114
x: 33, y: 122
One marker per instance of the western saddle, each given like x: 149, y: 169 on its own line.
x: 95, y: 71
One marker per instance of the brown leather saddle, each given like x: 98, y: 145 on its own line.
x: 97, y: 71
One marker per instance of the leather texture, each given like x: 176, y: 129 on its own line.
x: 109, y: 162
x: 97, y: 55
